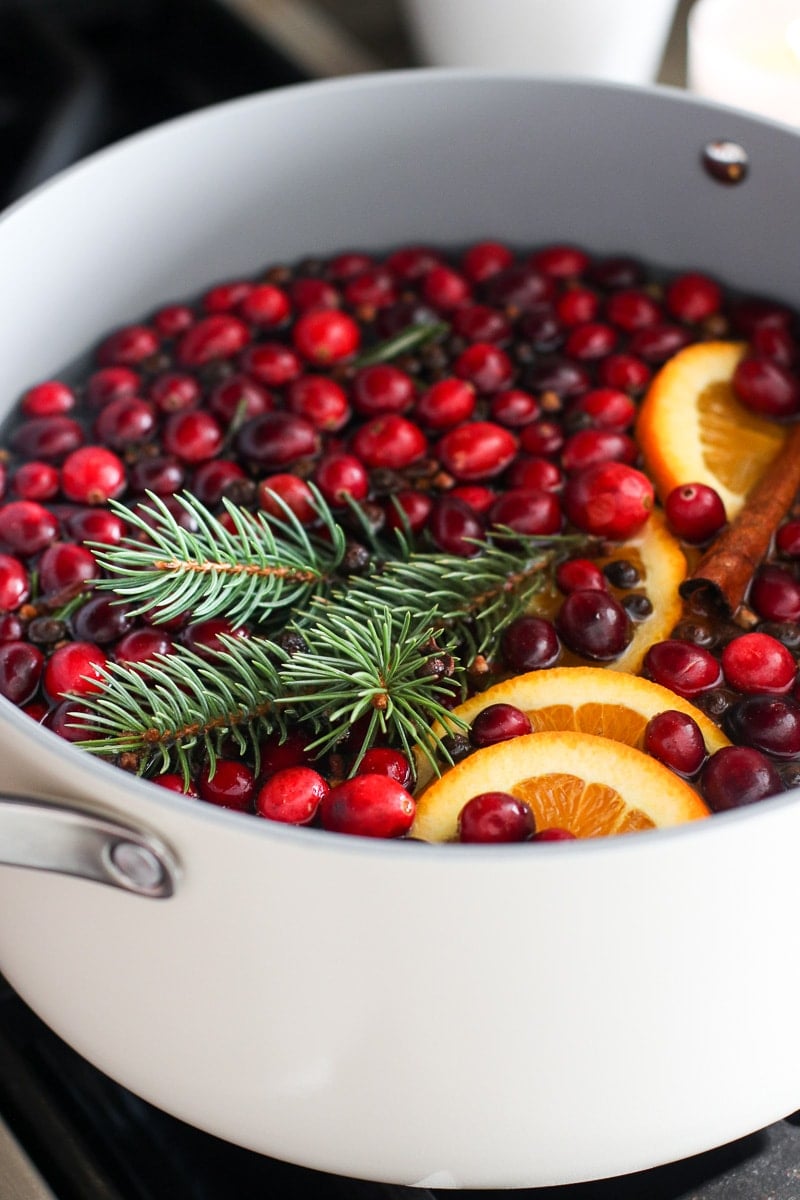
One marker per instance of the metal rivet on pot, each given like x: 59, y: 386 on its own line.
x: 726, y: 162
x: 138, y: 865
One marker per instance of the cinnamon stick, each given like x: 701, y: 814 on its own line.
x: 720, y: 580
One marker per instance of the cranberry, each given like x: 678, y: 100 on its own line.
x: 74, y: 667
x: 607, y: 407
x: 475, y: 495
x: 326, y: 336
x: 520, y: 288
x: 486, y: 366
x: 172, y: 320
x: 774, y: 594
x: 624, y: 371
x: 412, y: 262
x: 695, y: 512
x: 756, y: 662
x: 445, y: 288
x: 382, y: 389
x: 630, y: 309
x: 372, y: 289
x: 213, y: 479
x: 14, y: 583
x: 542, y: 438
x: 591, y: 623
x: 92, y: 475
x: 176, y: 783
x: 49, y: 399
x: 485, y: 259
x: 542, y: 330
x: 682, y: 667
x: 102, y: 620
x: 579, y: 574
x: 766, y: 387
x: 498, y: 723
x: 63, y: 719
x: 48, y: 438
x: 554, y: 834
x: 320, y: 400
x: 238, y: 398
x: 530, y: 644
x: 768, y: 723
x: 110, y: 383
x: 128, y: 346
x: 231, y: 785
x: 478, y: 450
x: 527, y: 511
x: 560, y: 376
x: 693, y: 298
x: 341, y: 475
x: 577, y: 305
x: 588, y: 447
x: 446, y: 403
x: 535, y: 473
x: 455, y: 527
x: 368, y: 806
x: 495, y: 817
x: 561, y: 261
x: 611, y: 500
x: 12, y: 628
x: 787, y: 539
x: 206, y: 637
x: 265, y: 306
x: 389, y: 441
x: 140, y: 645
x: 20, y: 671
x: 174, y: 392
x: 777, y: 344
x: 754, y: 313
x: 618, y: 271
x: 272, y: 363
x: 380, y: 760
x: 193, y: 436
x: 36, y: 481
x: 674, y: 738
x: 218, y: 336
x: 514, y: 408
x: 292, y: 795
x: 480, y: 323
x: 593, y: 339
x: 225, y: 296
x: 277, y: 439
x: 293, y: 491
x: 738, y: 775
x: 64, y: 564
x: 306, y: 294
x: 126, y: 421
x: 408, y: 508
x: 276, y: 752
x: 349, y: 264
x: 657, y: 343
x: 163, y: 475
x: 26, y: 527
x: 96, y: 525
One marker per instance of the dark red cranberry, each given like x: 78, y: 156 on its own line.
x: 272, y: 363
x: 519, y: 288
x: 12, y: 628
x: 455, y: 527
x: 306, y: 294
x: 380, y: 760
x: 495, y: 817
x: 592, y: 340
x: 265, y: 305
x: 349, y: 264
x: 172, y: 320
x: 206, y: 638
x: 560, y: 376
x: 498, y: 723
x: 14, y: 583
x: 611, y: 500
x: 231, y: 785
x: 674, y: 738
x: 320, y: 400
x: 163, y: 475
x: 174, y: 392
x: 738, y: 775
x: 775, y: 594
x: 787, y: 539
x: 527, y: 511
x: 767, y: 388
x: 64, y: 564
x: 212, y: 480
x: 514, y: 408
x: 26, y: 527
x: 292, y: 795
x: 554, y: 834
x: 632, y: 308
x: 561, y: 261
x: 290, y: 490
x: 618, y: 271
x: 588, y: 447
x: 542, y: 331
x: 607, y: 408
x: 218, y: 336
x: 657, y: 343
x: 36, y: 481
x: 412, y: 262
x: 767, y: 723
x: 92, y: 475
x: 445, y: 289
x: 577, y: 305
x: 111, y: 383
x: 277, y: 439
x: 127, y: 421
x: 341, y: 475
x: 129, y: 346
x: 624, y: 371
x: 535, y: 473
x: 480, y: 323
x: 446, y: 403
x: 382, y: 389
x: 755, y: 313
x: 141, y: 645
x: 695, y: 512
x: 578, y: 575
x: 326, y: 336
x: 48, y: 438
x: 530, y: 644
x: 225, y: 296
x: 693, y: 298
x: 591, y: 623
x: 477, y: 450
x: 372, y: 289
x: 49, y: 399
x: 239, y: 398
x: 368, y: 806
x: 484, y: 259
x: 774, y: 343
x: 20, y: 671
x: 414, y: 509
x: 756, y: 662
x: 176, y: 783
x: 485, y: 366
x: 102, y: 620
x: 74, y: 667
x: 684, y: 668
x: 63, y: 719
x: 276, y: 752
x: 542, y: 438
x: 389, y: 441
x: 96, y: 525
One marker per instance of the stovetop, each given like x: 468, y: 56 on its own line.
x: 74, y: 76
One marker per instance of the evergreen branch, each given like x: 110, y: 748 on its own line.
x: 413, y: 337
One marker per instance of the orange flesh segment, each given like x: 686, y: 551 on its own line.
x: 585, y: 809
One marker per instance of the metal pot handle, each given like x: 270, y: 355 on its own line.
x: 63, y: 837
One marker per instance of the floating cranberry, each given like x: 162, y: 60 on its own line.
x: 207, y: 638
x: 368, y: 806
x: 49, y: 399
x: 27, y: 527
x: 12, y: 628
x: 485, y: 259
x: 193, y: 436
x: 514, y: 408
x: 657, y: 343
x: 611, y: 500
x: 530, y: 644
x: 163, y: 475
x: 141, y: 645
x: 754, y: 313
x: 542, y: 331
x: 520, y: 288
x: 272, y: 363
x: 326, y: 336
x: 445, y: 288
x: 129, y: 346
x: 787, y: 539
x: 485, y: 366
x: 306, y: 294
x: 74, y: 667
x: 239, y: 398
x: 349, y: 264
x: 618, y: 271
x: 528, y: 511
x: 591, y: 623
x: 607, y: 407
x: 577, y: 305
x: 408, y: 508
x: 624, y: 371
x: 265, y: 306
x: 389, y: 441
x: 92, y: 475
x: 693, y: 298
x: 554, y: 834
x: 560, y: 261
x: 412, y: 262
x: 479, y: 498
x: 675, y: 739
x: 495, y: 817
x: 96, y: 525
x: 230, y: 785
x: 777, y: 344
x: 341, y: 475
x: 214, y: 479
x: 320, y: 400
x: 292, y: 795
x: 218, y: 336
x: 173, y: 319
x: 480, y: 323
x: 588, y: 447
x: 175, y: 391
x: 176, y: 783
x: 48, y: 438
x: 695, y: 512
x: 756, y: 663
x: 738, y: 775
x: 373, y: 289
x: 14, y: 583
x: 101, y: 619
x: 498, y: 723
x: 768, y: 723
x: 380, y: 760
x: 225, y: 296
x: 775, y: 594
x: 290, y: 490
x: 592, y: 340
x: 111, y: 383
x: 455, y: 527
x: 64, y: 564
x: 64, y: 720
x: 127, y: 421
x: 36, y: 481
x: 684, y: 668
x: 478, y: 450
x: 535, y: 472
x: 579, y: 574
x: 631, y: 309
x: 277, y: 439
x: 561, y: 376
x: 767, y: 388
x: 446, y: 403
x: 20, y: 671
x: 382, y: 389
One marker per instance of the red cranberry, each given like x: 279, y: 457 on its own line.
x: 26, y: 527
x: 455, y: 527
x: 382, y: 389
x: 498, y: 723
x: 682, y: 667
x: 591, y: 623
x: 140, y: 645
x: 756, y: 662
x: 36, y: 481
x: 64, y: 564
x: 276, y: 753
x: 174, y: 392
x: 96, y: 525
x: 495, y: 817
x: 48, y: 438
x: 129, y: 346
x: 561, y: 261
x: 74, y: 667
x: 193, y: 436
x: 277, y: 439
x: 787, y: 539
x: 445, y: 288
x: 349, y: 264
x: 20, y: 671
x: 446, y: 403
x: 92, y: 475
x: 176, y: 783
x: 368, y: 806
x: 372, y: 289
x: 272, y: 363
x: 412, y: 262
x: 592, y: 340
x: 695, y: 512
x: 265, y: 306
x: 535, y: 473
x: 12, y: 628
x: 239, y: 398
x: 293, y: 491
x: 162, y: 475
x: 14, y: 583
x: 527, y: 511
x: 577, y: 305
x: 738, y: 775
x: 475, y: 495
x: 484, y: 259
x: 693, y: 298
x: 777, y: 344
x: 480, y: 323
x: 630, y: 309
x: 674, y: 738
x: 213, y: 479
x: 486, y: 366
x: 172, y: 320
x: 127, y: 421
x: 530, y: 644
x: 218, y: 336
x: 292, y: 795
x: 578, y: 575
x: 206, y: 637
x: 618, y: 271
x: 542, y: 330
x: 49, y: 399
x: 542, y: 438
x: 767, y: 723
x: 110, y: 383
x: 624, y: 371
x: 341, y: 475
x: 389, y: 441
x: 231, y: 785
x: 767, y: 388
x: 414, y: 509
x: 326, y: 336
x: 611, y: 500
x: 514, y: 408
x: 478, y: 450
x: 380, y: 760
x: 554, y: 834
x: 320, y: 400
x: 306, y: 294
x: 588, y: 447
x: 63, y: 719
x: 607, y: 407
x: 774, y: 594
x: 225, y: 296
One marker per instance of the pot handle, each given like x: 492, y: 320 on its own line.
x: 58, y: 836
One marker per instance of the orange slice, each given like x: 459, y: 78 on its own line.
x: 590, y: 785
x: 590, y: 700
x: 692, y: 429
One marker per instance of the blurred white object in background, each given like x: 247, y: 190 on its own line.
x: 620, y: 40
x: 747, y: 54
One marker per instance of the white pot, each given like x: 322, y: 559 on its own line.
x: 476, y: 1016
